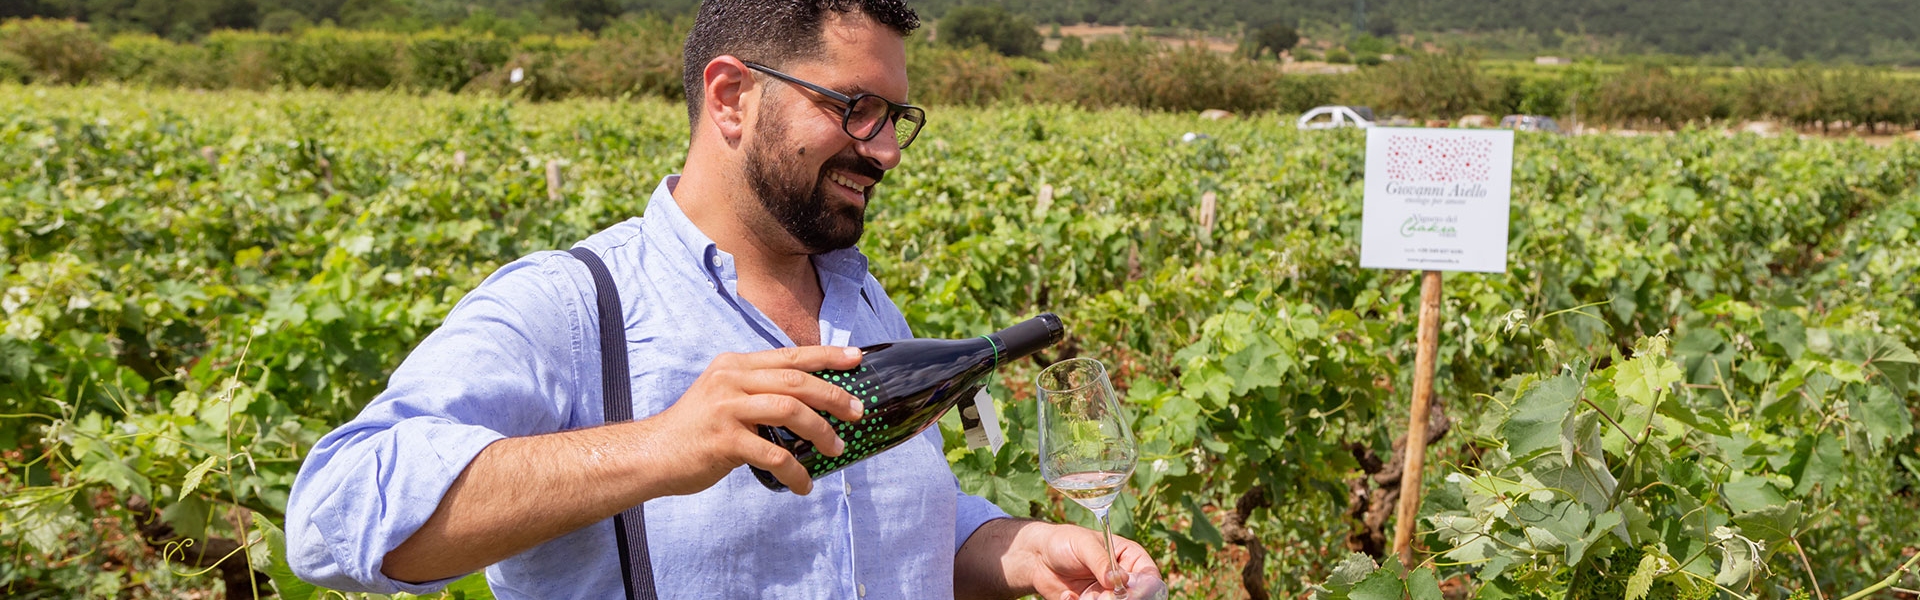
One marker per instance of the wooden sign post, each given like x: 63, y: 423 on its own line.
x: 1428, y: 340
x: 1436, y: 199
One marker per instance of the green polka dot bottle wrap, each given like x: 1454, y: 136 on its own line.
x: 905, y: 385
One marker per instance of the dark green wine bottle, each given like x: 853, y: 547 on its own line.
x: 906, y: 385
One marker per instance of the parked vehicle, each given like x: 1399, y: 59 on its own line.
x: 1529, y: 123
x: 1331, y: 117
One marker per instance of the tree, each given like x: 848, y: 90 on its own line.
x: 592, y: 15
x: 992, y: 26
x: 1275, y: 37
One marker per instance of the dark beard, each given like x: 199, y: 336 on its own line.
x: 799, y: 202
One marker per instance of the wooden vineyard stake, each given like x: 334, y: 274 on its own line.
x: 1428, y: 340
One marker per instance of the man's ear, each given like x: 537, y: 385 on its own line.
x: 725, y: 103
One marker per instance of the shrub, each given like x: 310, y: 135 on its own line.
x: 1188, y: 78
x: 1531, y: 95
x: 448, y: 60
x: 1006, y: 33
x: 54, y: 51
x: 970, y: 76
x: 12, y: 68
x: 339, y: 59
x: 146, y: 59
x: 1300, y: 93
x: 1433, y: 85
x: 246, y: 59
x: 1651, y: 96
x: 634, y: 57
x: 1339, y: 56
x: 1071, y: 48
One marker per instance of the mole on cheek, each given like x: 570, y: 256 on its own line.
x: 803, y: 150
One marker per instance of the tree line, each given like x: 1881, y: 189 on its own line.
x: 640, y: 57
x: 191, y: 19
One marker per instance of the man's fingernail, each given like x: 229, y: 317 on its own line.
x: 853, y: 352
x: 859, y: 408
x: 839, y: 446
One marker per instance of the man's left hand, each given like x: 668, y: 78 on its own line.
x: 1008, y: 558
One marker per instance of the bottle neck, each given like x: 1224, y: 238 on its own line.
x: 1025, y: 338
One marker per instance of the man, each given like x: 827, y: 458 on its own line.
x: 488, y: 449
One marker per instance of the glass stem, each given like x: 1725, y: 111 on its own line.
x: 1113, y: 561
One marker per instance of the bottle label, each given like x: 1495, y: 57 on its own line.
x: 982, y: 423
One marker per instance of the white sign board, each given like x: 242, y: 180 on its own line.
x: 1436, y: 199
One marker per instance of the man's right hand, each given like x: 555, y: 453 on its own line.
x: 714, y: 427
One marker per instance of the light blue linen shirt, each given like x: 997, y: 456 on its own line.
x: 519, y: 355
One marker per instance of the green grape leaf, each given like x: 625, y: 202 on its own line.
x: 1537, y: 416
x: 188, y: 517
x: 1895, y: 361
x: 1711, y: 422
x: 1884, y: 416
x: 1203, y: 529
x: 1771, y: 524
x: 1816, y: 460
x: 1383, y: 584
x: 1642, y: 579
x: 1787, y: 330
x: 112, y: 471
x: 194, y: 476
x: 1422, y: 584
x: 1738, y: 556
x: 1643, y: 378
x: 1751, y: 494
x: 290, y: 586
x: 1351, y: 570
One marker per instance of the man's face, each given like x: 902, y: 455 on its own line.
x: 812, y: 178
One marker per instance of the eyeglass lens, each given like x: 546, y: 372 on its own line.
x: 870, y: 113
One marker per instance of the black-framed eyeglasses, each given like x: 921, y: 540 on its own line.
x: 863, y: 115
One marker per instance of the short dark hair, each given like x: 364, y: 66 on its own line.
x: 771, y: 32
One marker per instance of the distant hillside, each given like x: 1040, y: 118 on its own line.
x: 1790, y: 29
x: 1816, y: 29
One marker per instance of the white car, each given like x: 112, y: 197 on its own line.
x: 1331, y: 117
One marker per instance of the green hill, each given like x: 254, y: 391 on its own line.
x: 1797, y: 29
x: 1789, y: 29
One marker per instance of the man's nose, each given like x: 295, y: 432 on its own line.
x: 883, y: 149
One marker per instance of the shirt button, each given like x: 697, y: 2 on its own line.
x: 716, y: 262
x: 863, y: 590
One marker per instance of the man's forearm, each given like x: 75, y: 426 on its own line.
x: 985, y: 567
x: 521, y: 492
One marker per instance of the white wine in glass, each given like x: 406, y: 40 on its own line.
x: 1086, y: 446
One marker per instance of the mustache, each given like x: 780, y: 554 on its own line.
x: 852, y: 162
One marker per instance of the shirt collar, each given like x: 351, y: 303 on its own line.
x: 667, y: 222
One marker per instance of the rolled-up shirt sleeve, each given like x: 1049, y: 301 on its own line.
x: 505, y: 363
x: 972, y: 512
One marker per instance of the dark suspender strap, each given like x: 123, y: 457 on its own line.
x: 616, y: 392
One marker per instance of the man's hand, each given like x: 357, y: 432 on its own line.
x: 521, y: 492
x: 1007, y: 558
x: 713, y: 428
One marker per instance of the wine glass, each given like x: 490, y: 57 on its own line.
x: 1086, y: 447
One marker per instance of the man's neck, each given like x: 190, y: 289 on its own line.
x: 775, y: 274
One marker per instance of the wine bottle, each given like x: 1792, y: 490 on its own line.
x: 905, y: 386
